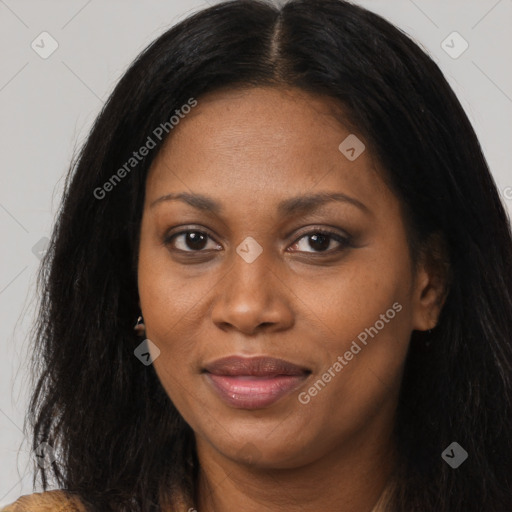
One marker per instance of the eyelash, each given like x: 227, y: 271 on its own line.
x: 344, y: 241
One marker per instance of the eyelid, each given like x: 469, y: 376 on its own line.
x: 326, y: 230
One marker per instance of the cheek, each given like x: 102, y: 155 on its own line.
x: 172, y: 310
x: 169, y: 301
x: 367, y: 313
x: 353, y: 297
x: 172, y: 324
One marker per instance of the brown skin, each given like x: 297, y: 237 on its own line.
x: 249, y: 150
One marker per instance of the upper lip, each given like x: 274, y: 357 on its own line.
x: 254, y: 366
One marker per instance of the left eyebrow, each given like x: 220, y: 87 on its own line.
x: 288, y: 207
x: 311, y: 202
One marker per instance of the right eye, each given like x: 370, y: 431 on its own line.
x: 191, y: 240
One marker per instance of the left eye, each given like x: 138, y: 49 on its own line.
x: 320, y: 241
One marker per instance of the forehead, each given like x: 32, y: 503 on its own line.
x: 259, y: 143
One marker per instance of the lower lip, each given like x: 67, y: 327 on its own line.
x: 254, y: 392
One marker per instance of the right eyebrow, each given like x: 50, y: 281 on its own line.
x: 198, y: 201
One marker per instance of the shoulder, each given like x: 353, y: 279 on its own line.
x: 49, y: 501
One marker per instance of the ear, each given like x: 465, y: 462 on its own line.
x: 431, y: 283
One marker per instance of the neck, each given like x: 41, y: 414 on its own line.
x: 350, y: 479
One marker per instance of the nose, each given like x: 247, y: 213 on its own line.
x: 251, y: 298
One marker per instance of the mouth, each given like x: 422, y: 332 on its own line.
x: 253, y: 383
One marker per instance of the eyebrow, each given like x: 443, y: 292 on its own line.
x: 290, y: 206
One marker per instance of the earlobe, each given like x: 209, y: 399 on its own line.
x: 431, y: 284
x: 427, y: 304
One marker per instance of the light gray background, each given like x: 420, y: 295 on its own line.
x: 48, y: 105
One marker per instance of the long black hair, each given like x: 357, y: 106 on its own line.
x: 121, y: 442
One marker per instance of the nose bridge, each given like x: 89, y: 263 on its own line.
x: 250, y: 295
x: 250, y: 277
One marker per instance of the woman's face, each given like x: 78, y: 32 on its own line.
x: 325, y: 285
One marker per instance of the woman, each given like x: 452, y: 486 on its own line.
x: 318, y: 270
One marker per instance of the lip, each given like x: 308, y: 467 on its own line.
x: 253, y: 383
